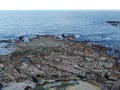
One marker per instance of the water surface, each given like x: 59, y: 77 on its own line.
x: 87, y: 25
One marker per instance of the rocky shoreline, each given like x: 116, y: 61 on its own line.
x: 49, y: 57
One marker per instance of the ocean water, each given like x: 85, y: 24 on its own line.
x: 86, y: 25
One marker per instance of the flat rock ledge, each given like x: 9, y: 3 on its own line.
x: 48, y: 57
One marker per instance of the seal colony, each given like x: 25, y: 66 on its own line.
x: 51, y: 58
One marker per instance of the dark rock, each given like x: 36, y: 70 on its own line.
x: 21, y: 38
x: 6, y: 41
x: 114, y: 23
x: 1, y: 86
x: 34, y: 79
x: 28, y: 88
x: 63, y: 36
x: 69, y: 37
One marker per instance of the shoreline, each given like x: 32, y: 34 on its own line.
x: 51, y: 57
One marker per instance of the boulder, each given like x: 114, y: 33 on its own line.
x: 21, y: 38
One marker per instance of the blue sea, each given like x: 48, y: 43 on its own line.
x: 85, y: 24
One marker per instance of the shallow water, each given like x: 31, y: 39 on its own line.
x: 87, y: 25
x: 72, y: 85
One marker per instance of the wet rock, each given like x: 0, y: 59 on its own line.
x: 1, y: 86
x: 113, y: 23
x: 34, y: 79
x: 88, y: 59
x: 21, y: 38
x: 103, y: 58
x: 6, y: 41
x: 69, y: 37
x: 111, y: 77
x: 28, y: 88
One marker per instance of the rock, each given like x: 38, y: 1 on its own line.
x: 88, y: 59
x: 24, y: 66
x: 114, y: 23
x: 103, y: 58
x: 32, y: 70
x: 6, y: 41
x: 21, y: 38
x: 69, y: 37
x: 1, y: 66
x: 34, y: 79
x: 28, y: 88
x: 1, y: 86
x: 112, y: 78
x: 82, y: 75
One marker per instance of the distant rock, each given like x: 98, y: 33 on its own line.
x: 6, y: 41
x: 114, y: 23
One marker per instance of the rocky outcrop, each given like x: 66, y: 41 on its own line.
x: 47, y: 57
x: 6, y: 41
x: 114, y: 23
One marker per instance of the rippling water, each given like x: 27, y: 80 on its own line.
x: 87, y: 25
